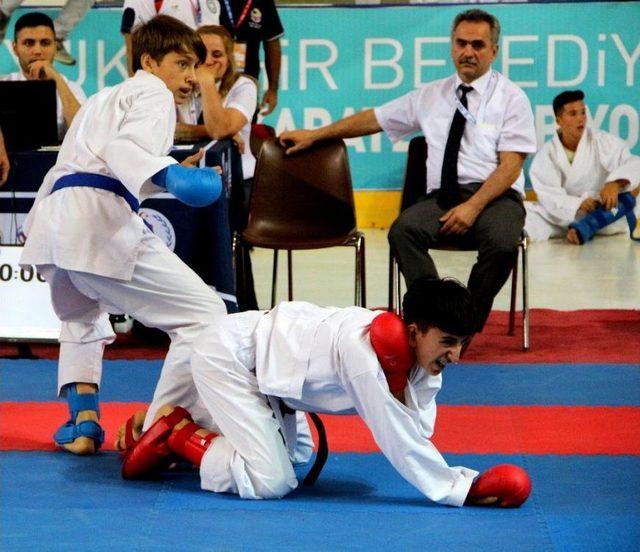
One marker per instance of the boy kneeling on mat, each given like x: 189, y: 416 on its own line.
x: 253, y: 370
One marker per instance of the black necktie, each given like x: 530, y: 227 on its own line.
x: 449, y: 194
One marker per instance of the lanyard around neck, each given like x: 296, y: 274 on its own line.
x: 465, y: 112
x: 243, y: 14
x: 462, y: 109
x: 197, y: 11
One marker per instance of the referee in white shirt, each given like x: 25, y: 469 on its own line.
x: 479, y: 128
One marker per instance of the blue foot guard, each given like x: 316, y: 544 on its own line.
x: 587, y: 227
x: 70, y: 431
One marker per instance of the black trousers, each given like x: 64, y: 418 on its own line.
x: 495, y: 235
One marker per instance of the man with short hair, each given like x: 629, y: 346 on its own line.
x: 577, y: 172
x: 34, y: 44
x: 479, y: 128
x: 72, y: 12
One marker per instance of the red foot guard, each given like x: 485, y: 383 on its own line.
x: 186, y: 444
x: 151, y: 453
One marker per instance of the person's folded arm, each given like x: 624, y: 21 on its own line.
x: 220, y: 121
x: 359, y: 124
x: 460, y: 218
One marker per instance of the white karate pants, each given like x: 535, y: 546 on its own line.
x: 163, y: 293
x: 540, y: 229
x: 250, y: 457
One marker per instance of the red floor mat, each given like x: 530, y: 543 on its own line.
x: 556, y: 336
x: 561, y: 336
x: 460, y: 429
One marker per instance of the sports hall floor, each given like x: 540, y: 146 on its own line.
x: 568, y: 411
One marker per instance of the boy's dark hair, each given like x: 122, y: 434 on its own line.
x: 479, y: 16
x: 160, y: 36
x: 562, y: 99
x: 32, y: 19
x: 445, y: 304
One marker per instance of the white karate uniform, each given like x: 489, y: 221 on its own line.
x: 193, y: 13
x: 75, y: 88
x: 243, y: 96
x: 562, y: 186
x: 313, y: 359
x: 97, y: 254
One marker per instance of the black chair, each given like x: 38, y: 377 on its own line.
x: 414, y: 188
x: 303, y: 201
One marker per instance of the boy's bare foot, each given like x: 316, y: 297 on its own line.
x: 572, y: 237
x: 137, y: 421
x: 83, y: 445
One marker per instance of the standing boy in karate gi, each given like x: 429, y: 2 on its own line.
x: 86, y: 239
x: 253, y: 370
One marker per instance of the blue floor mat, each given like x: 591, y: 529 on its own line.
x: 53, y: 501
x: 495, y: 384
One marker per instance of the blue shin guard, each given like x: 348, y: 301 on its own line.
x: 70, y: 431
x: 587, y: 227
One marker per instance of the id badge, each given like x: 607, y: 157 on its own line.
x: 240, y: 55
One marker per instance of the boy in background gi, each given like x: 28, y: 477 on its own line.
x: 86, y: 239
x: 253, y: 370
x: 581, y: 173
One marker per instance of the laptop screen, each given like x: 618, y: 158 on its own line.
x: 28, y: 114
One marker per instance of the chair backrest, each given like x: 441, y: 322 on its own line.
x: 259, y: 133
x: 301, y: 201
x: 415, y: 176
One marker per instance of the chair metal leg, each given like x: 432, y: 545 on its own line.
x: 357, y: 293
x: 363, y: 275
x: 392, y: 284
x: 525, y: 296
x: 274, y: 278
x: 360, y: 281
x: 290, y: 274
x: 235, y: 241
x: 239, y: 268
x: 397, y: 277
x: 514, y: 292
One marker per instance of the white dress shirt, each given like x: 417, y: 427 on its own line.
x: 243, y: 96
x: 124, y: 132
x: 75, y: 88
x: 500, y: 119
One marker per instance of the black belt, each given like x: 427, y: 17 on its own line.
x: 322, y: 454
x: 323, y: 447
